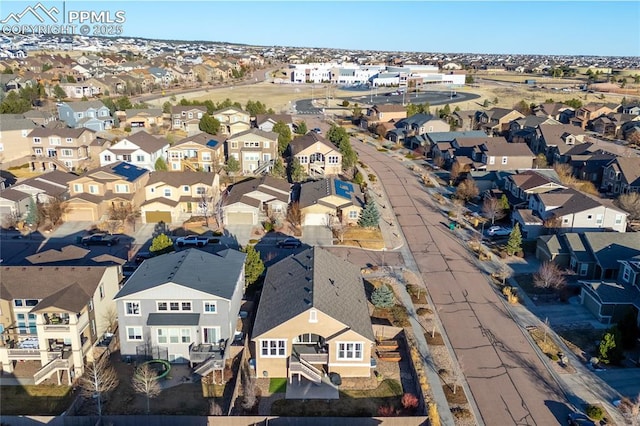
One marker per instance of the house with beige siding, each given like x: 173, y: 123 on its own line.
x: 506, y: 156
x: 383, y: 113
x: 317, y: 156
x: 14, y: 137
x: 141, y: 118
x: 63, y: 146
x: 201, y: 151
x: 232, y: 120
x: 54, y: 316
x: 173, y: 197
x: 95, y: 192
x: 495, y: 121
x: 327, y: 201
x: 187, y: 118
x: 254, y: 149
x: 313, y: 320
x: 254, y: 200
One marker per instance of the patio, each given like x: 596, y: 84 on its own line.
x: 305, y: 389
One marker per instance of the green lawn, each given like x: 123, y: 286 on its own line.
x: 40, y: 400
x: 278, y: 385
x: 352, y: 403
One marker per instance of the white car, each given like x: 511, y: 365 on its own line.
x: 498, y: 231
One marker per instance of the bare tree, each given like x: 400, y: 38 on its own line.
x: 99, y: 378
x: 456, y: 170
x: 630, y: 203
x: 10, y: 220
x: 110, y: 319
x: 214, y: 408
x: 438, y: 160
x: 249, y: 389
x: 630, y: 409
x: 112, y: 226
x: 145, y: 381
x: 294, y: 214
x: 54, y: 210
x: 467, y: 190
x: 492, y: 209
x: 339, y: 228
x: 126, y: 212
x: 552, y: 223
x: 549, y: 276
x: 503, y: 273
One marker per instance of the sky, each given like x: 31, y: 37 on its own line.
x: 600, y: 28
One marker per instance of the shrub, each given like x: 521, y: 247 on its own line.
x: 410, y: 401
x: 386, y: 411
x: 127, y: 129
x: 268, y: 226
x: 372, y: 177
x: 461, y: 413
x: 345, y: 103
x: 161, y: 244
x: 382, y: 297
x: 553, y: 357
x: 423, y: 312
x: 400, y: 316
x: 595, y: 412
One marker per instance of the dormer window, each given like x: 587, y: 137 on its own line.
x: 626, y: 274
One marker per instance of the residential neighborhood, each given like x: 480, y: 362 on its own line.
x: 390, y: 245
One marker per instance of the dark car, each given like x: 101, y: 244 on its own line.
x: 100, y: 239
x: 289, y: 243
x: 141, y: 256
x: 579, y: 419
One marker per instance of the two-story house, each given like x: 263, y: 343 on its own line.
x: 568, y: 210
x: 416, y: 125
x: 556, y: 140
x: 523, y: 130
x: 173, y: 197
x: 14, y: 137
x: 313, y: 319
x: 327, y: 201
x: 54, y: 315
x: 201, y: 151
x: 141, y: 118
x: 139, y: 149
x: 59, y: 147
x: 265, y: 122
x: 317, y: 156
x: 232, y: 120
x: 587, y: 113
x: 506, y: 156
x: 621, y: 176
x: 92, y: 115
x: 495, y: 121
x: 187, y: 118
x: 521, y: 186
x: 182, y: 307
x: 611, y: 300
x: 382, y: 113
x: 552, y: 110
x: 254, y: 149
x: 95, y: 192
x: 253, y: 200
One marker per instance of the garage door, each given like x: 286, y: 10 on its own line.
x: 315, y: 219
x: 239, y: 218
x: 80, y: 215
x: 155, y: 217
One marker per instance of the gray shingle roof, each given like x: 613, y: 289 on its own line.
x: 609, y: 247
x: 81, y: 106
x: 215, y: 274
x: 303, y: 142
x: 313, y: 278
x: 11, y: 122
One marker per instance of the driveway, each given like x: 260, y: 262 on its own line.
x: 317, y: 236
x: 508, y: 381
x: 235, y: 235
x: 69, y: 229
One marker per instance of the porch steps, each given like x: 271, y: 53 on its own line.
x: 306, y: 370
x: 316, y: 170
x: 52, y: 367
x: 208, y: 366
x: 263, y: 167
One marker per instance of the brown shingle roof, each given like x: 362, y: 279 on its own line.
x: 177, y: 179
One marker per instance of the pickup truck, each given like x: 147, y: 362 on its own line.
x: 100, y: 239
x: 192, y: 240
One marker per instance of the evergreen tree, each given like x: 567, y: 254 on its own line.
x: 383, y: 297
x: 161, y: 165
x: 504, y: 202
x: 284, y: 136
x: 610, y: 349
x: 278, y: 169
x: 253, y: 265
x: 209, y: 124
x: 301, y: 128
x: 349, y: 155
x: 514, y: 245
x: 32, y: 218
x: 59, y: 92
x: 296, y: 172
x: 370, y: 216
x: 233, y: 165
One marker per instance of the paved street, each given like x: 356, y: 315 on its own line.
x: 505, y: 375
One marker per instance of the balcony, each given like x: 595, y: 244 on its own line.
x: 23, y: 354
x: 204, y: 351
x: 313, y: 354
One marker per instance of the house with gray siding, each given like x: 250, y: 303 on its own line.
x: 182, y: 307
x: 92, y: 115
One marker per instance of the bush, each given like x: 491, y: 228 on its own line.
x: 127, y: 129
x: 553, y: 357
x: 595, y: 412
x: 461, y: 413
x: 386, y: 411
x: 410, y: 401
x: 423, y: 312
x: 268, y: 226
x: 372, y: 177
x: 345, y: 103
x: 400, y: 316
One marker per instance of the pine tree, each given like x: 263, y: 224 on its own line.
x: 382, y: 297
x: 296, y: 172
x: 370, y: 216
x: 514, y: 245
x: 253, y: 265
x: 32, y: 213
x: 278, y: 169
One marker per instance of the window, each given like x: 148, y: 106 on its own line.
x: 185, y: 188
x: 174, y: 335
x: 162, y: 336
x: 350, y: 350
x: 126, y: 157
x: 134, y: 334
x: 77, y: 187
x: 265, y: 144
x: 186, y: 335
x: 313, y: 315
x: 30, y: 302
x: 90, y: 305
x: 234, y: 145
x: 333, y: 159
x: 618, y: 219
x: 210, y: 334
x: 210, y: 307
x: 303, y: 159
x: 139, y: 158
x: 565, y: 220
x: 190, y: 115
x: 54, y: 141
x: 38, y: 140
x: 37, y: 151
x: 162, y: 306
x: 599, y: 219
x: 18, y: 302
x: 167, y: 192
x: 186, y: 306
x: 69, y: 140
x: 93, y: 189
x: 626, y: 274
x: 353, y: 214
x: 504, y: 160
x: 206, y: 156
x: 589, y: 217
x: 132, y: 308
x: 122, y: 189
x: 584, y: 268
x: 201, y: 190
x: 107, y: 158
x: 252, y: 144
x: 492, y: 160
x: 274, y: 348
x: 174, y: 306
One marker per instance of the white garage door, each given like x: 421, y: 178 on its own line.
x: 316, y: 219
x: 240, y: 218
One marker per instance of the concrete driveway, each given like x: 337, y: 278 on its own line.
x: 68, y: 229
x: 235, y: 235
x: 317, y: 236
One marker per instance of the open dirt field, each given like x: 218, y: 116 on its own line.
x: 281, y: 97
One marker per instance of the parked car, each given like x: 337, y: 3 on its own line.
x: 498, y: 231
x: 128, y: 269
x: 289, y: 243
x: 100, y: 239
x: 317, y: 130
x: 192, y: 240
x: 141, y: 256
x: 579, y: 419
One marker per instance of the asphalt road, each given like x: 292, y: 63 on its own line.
x: 509, y: 383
